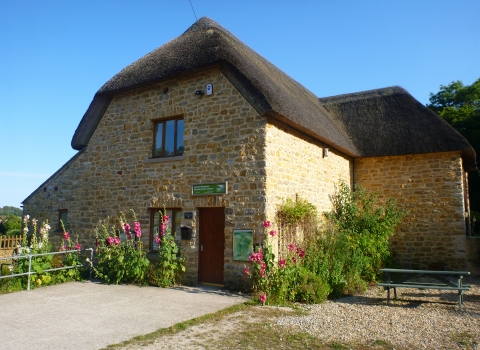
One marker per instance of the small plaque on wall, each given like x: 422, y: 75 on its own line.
x: 188, y: 215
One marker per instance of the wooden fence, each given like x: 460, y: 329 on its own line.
x: 10, y: 242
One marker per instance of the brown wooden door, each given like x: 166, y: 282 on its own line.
x: 212, y: 245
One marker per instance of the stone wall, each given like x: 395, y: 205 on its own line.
x: 430, y: 188
x: 224, y: 140
x: 296, y: 166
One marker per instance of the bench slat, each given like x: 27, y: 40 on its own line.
x: 426, y: 284
x: 421, y: 286
x: 428, y: 272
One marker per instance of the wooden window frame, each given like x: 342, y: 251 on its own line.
x: 60, y: 211
x: 164, y: 131
x: 153, y: 211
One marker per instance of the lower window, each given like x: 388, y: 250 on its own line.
x: 174, y: 221
x: 62, y: 219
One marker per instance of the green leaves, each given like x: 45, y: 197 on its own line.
x: 459, y: 105
x: 122, y: 263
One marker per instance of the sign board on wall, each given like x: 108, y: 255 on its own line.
x: 216, y: 188
x: 242, y: 244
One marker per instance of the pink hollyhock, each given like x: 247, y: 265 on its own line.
x: 163, y: 229
x: 245, y: 271
x: 282, y: 263
x: 262, y: 270
x: 117, y: 240
x: 291, y: 247
x: 66, y: 236
x: 300, y: 252
x: 165, y: 218
x: 110, y: 240
x: 63, y: 248
x: 263, y: 298
x: 273, y: 233
x: 256, y: 257
x: 266, y: 224
x: 137, y: 229
x: 78, y: 246
x: 126, y: 227
x: 157, y: 239
x: 294, y: 260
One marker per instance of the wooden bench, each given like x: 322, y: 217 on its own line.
x: 406, y: 279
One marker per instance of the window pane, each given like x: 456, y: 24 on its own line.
x: 179, y: 149
x: 158, y: 150
x: 63, y: 217
x: 170, y: 138
x: 156, y: 225
x: 178, y: 221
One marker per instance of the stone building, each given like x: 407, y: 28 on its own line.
x: 219, y: 136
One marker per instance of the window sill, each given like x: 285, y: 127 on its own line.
x: 165, y: 159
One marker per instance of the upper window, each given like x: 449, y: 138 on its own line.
x: 168, y: 138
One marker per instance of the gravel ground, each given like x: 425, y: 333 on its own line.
x: 417, y: 320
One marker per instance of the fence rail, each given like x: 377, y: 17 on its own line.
x: 30, y: 256
x: 10, y: 242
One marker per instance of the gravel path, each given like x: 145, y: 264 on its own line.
x: 417, y: 320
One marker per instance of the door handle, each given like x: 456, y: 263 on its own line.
x: 201, y: 248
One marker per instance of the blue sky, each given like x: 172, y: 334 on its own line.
x: 54, y: 56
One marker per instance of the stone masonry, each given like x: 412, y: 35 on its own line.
x: 430, y: 188
x: 223, y: 139
x: 264, y: 162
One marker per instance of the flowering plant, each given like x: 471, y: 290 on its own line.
x: 285, y: 280
x: 36, y: 241
x: 169, y: 264
x: 120, y: 260
x: 72, y: 258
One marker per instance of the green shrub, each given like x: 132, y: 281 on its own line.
x: 11, y: 225
x: 120, y: 261
x: 38, y: 243
x: 341, y: 257
x: 364, y: 226
x: 169, y: 264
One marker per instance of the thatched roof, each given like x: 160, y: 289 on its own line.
x: 373, y: 123
x: 390, y: 121
x: 205, y: 44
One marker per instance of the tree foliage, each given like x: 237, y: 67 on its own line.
x: 10, y: 210
x: 459, y: 105
x: 11, y: 225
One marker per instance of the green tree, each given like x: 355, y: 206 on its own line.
x: 11, y: 225
x: 459, y: 105
x: 13, y: 210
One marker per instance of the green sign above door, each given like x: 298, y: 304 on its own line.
x: 216, y: 188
